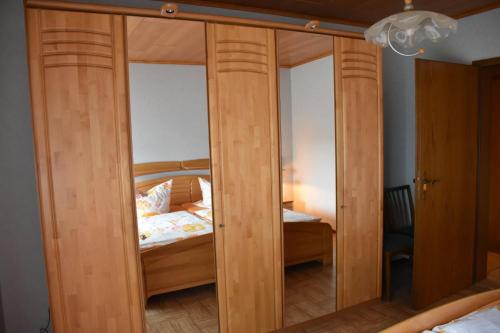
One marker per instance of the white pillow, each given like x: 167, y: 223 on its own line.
x: 155, y: 201
x: 206, y: 192
x: 482, y: 321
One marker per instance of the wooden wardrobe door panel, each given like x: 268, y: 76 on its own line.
x: 245, y: 173
x: 358, y: 96
x: 82, y: 142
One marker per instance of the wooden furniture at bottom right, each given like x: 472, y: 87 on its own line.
x: 445, y: 313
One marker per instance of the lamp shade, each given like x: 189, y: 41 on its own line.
x: 407, y: 29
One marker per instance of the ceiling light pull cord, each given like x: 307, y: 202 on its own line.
x: 420, y: 51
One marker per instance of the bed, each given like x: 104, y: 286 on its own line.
x: 306, y: 238
x: 189, y: 261
x: 453, y: 313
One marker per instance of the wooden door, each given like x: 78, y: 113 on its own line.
x: 358, y: 96
x: 490, y: 141
x: 446, y: 107
x: 488, y: 215
x: 83, y: 160
x: 245, y: 171
x: 491, y: 99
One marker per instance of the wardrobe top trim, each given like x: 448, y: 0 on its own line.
x: 131, y: 11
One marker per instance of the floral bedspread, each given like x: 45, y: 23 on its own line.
x: 169, y: 228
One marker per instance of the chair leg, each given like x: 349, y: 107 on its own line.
x: 387, y: 275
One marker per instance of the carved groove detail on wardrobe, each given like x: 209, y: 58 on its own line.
x: 82, y: 146
x: 358, y: 64
x: 76, y: 47
x: 245, y: 175
x: 241, y: 56
x: 358, y: 95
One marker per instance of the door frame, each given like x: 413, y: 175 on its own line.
x: 481, y: 248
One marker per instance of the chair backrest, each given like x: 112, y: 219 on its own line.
x: 398, y: 209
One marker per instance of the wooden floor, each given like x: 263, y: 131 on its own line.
x: 195, y: 310
x: 309, y: 293
x: 378, y: 315
x: 191, y: 310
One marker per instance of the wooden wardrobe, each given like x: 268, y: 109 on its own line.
x: 79, y: 87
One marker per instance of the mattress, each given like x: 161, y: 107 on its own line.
x: 293, y: 216
x: 205, y: 213
x: 169, y: 228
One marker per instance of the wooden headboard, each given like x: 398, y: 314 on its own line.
x: 185, y: 188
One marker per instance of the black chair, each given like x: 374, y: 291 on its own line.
x: 398, y: 229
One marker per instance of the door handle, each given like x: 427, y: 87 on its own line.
x: 422, y: 184
x: 425, y: 181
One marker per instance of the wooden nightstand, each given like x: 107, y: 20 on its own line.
x: 288, y: 204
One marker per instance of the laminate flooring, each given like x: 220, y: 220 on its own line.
x: 309, y: 293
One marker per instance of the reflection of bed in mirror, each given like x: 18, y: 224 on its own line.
x: 188, y: 262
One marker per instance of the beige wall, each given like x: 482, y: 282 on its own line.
x: 168, y: 107
x: 308, y: 138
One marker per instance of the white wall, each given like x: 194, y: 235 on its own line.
x: 399, y: 119
x: 478, y: 37
x: 286, y: 133
x: 22, y: 275
x: 313, y: 136
x: 169, y: 112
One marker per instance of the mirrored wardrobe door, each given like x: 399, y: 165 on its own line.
x: 307, y: 115
x: 170, y: 139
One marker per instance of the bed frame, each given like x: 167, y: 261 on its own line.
x: 446, y: 313
x: 191, y: 262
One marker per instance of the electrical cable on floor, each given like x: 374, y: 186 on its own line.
x: 46, y: 328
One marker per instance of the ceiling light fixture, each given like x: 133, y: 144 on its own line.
x: 169, y: 10
x: 409, y: 28
x: 312, y: 25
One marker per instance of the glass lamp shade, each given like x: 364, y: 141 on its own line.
x: 409, y: 28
